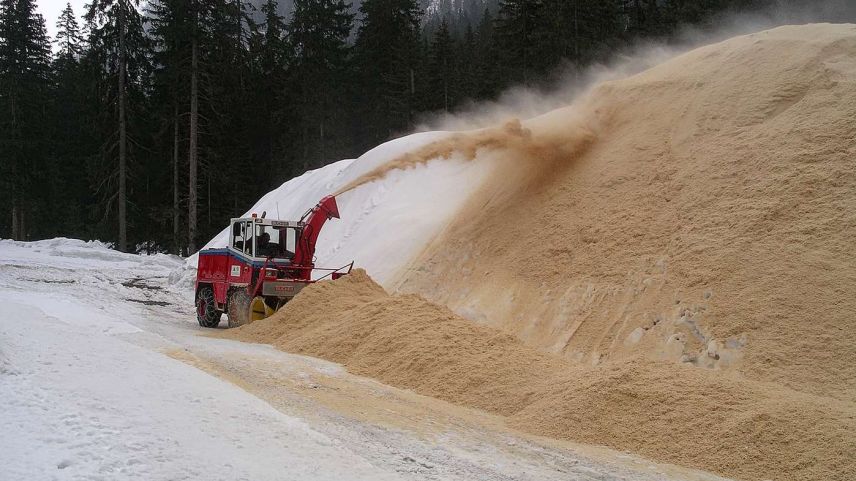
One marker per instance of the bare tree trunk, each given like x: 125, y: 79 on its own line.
x: 192, y: 197
x: 148, y: 224
x: 16, y: 226
x: 411, y: 100
x: 322, y: 147
x: 16, y: 190
x: 445, y: 83
x: 176, y: 213
x: 305, y: 147
x: 123, y: 220
x: 22, y: 226
x: 525, y: 45
x: 576, y: 34
x: 240, y: 45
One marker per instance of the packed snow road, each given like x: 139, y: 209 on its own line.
x: 104, y: 374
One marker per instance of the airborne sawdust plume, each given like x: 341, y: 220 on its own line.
x: 561, y: 139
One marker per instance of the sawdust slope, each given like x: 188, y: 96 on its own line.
x: 679, y: 414
x: 711, y: 222
x: 403, y: 340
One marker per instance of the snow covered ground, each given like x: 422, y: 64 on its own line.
x: 104, y: 374
x: 80, y: 403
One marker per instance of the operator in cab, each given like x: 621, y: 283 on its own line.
x: 264, y: 248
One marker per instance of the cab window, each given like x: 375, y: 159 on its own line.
x: 242, y: 237
x: 248, y: 239
x: 265, y: 245
x: 238, y: 236
x: 287, y: 241
x: 275, y: 241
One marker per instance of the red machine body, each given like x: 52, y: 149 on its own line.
x: 266, y: 263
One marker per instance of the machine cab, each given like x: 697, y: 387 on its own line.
x: 265, y: 238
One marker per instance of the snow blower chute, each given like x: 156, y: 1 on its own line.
x: 266, y: 263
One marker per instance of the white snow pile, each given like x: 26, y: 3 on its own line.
x: 77, y: 276
x: 383, y: 224
x: 67, y: 253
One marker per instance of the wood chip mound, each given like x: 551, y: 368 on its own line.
x: 674, y: 413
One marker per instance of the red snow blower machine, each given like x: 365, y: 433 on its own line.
x: 266, y: 263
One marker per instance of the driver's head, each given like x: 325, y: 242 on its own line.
x: 264, y: 238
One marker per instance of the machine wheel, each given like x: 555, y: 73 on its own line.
x: 239, y: 307
x: 206, y: 309
x: 261, y: 308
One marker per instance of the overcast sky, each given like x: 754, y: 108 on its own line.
x: 51, y: 9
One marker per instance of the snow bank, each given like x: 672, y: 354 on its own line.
x: 72, y: 250
x: 383, y: 224
x: 77, y: 276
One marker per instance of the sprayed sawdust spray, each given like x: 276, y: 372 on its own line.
x: 572, y: 133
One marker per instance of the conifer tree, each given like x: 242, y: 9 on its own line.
x: 273, y: 103
x: 468, y: 76
x: 386, y: 60
x: 226, y: 162
x: 580, y: 30
x: 193, y: 129
x: 71, y: 131
x: 318, y: 34
x: 68, y: 38
x: 442, y: 69
x: 487, y: 65
x: 119, y: 38
x: 169, y: 31
x: 521, y: 34
x: 24, y: 91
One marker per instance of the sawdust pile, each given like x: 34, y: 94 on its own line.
x: 704, y: 419
x: 404, y: 341
x: 711, y: 223
x: 680, y: 414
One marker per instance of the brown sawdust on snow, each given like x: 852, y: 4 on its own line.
x: 666, y: 267
x: 679, y: 414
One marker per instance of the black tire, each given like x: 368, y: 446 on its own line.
x: 206, y: 309
x: 239, y: 307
